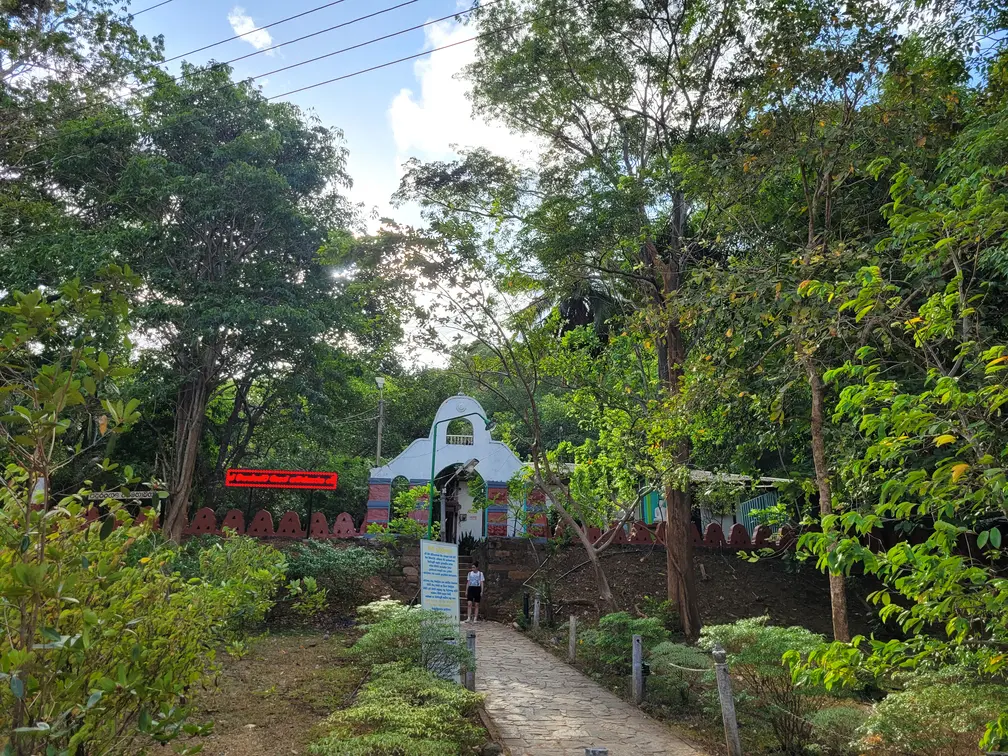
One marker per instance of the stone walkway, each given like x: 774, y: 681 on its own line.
x: 544, y: 707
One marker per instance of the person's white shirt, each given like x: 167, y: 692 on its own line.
x: 475, y: 578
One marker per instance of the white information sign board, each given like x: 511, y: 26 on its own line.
x: 439, y: 578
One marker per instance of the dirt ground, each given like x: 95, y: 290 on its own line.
x: 730, y: 588
x: 273, y: 700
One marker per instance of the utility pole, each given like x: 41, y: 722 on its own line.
x: 380, y: 380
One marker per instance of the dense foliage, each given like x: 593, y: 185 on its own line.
x: 605, y: 648
x: 395, y: 632
x: 340, y: 571
x: 758, y: 236
x: 102, y: 635
x: 755, y: 652
x: 409, y: 706
x: 679, y: 674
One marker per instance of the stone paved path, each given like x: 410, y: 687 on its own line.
x: 544, y: 707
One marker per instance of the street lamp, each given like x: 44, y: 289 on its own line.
x: 380, y: 380
x: 430, y: 495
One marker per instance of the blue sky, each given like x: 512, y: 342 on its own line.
x: 416, y: 108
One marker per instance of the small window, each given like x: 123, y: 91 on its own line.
x: 460, y: 432
x: 400, y: 484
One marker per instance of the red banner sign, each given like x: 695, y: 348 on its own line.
x: 303, y: 479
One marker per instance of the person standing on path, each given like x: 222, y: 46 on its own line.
x: 474, y: 591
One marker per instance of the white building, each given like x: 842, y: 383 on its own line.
x: 449, y: 452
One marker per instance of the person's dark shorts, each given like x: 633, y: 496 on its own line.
x: 473, y: 593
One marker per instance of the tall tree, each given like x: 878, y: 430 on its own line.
x: 812, y: 93
x: 615, y: 92
x: 236, y: 196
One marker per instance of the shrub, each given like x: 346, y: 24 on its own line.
x: 671, y: 680
x: 607, y: 648
x: 411, y: 635
x: 755, y: 650
x: 404, y: 711
x: 468, y: 544
x: 835, y: 730
x: 341, y: 572
x: 307, y: 598
x: 247, y: 573
x: 100, y: 637
x: 665, y: 611
x: 934, y: 718
x: 381, y: 610
x: 106, y: 650
x: 186, y: 557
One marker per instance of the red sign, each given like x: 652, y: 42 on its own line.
x: 303, y: 479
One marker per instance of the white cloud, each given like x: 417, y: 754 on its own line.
x: 242, y: 23
x: 427, y: 123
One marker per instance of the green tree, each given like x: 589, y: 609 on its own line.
x: 234, y: 196
x: 821, y: 90
x: 614, y: 92
x: 64, y: 136
x: 934, y: 436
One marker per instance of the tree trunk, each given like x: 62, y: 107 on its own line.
x: 679, y: 560
x: 605, y: 593
x: 189, y: 414
x: 838, y: 590
x: 215, y: 486
x: 602, y: 582
x: 678, y: 543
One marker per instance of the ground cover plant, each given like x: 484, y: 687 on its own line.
x: 404, y: 710
x: 410, y: 705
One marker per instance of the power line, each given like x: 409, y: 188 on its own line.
x: 376, y: 67
x: 320, y: 31
x: 372, y: 41
x: 130, y: 93
x: 152, y: 7
x: 253, y: 31
x: 250, y: 79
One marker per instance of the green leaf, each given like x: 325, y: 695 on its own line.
x: 17, y: 688
x: 39, y: 727
x: 995, y: 538
x: 107, y: 527
x: 94, y: 698
x: 982, y: 538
